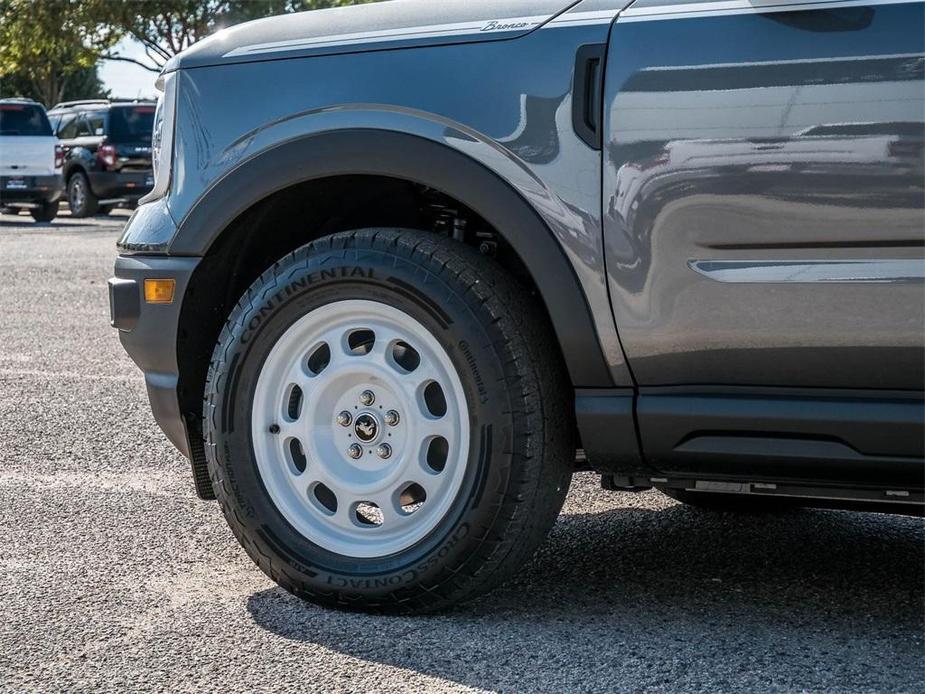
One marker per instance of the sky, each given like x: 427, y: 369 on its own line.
x: 127, y: 80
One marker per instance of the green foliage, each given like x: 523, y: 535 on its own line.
x: 49, y: 49
x: 82, y: 84
x: 303, y: 5
x: 47, y: 45
x: 166, y: 27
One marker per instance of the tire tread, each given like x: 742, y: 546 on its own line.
x: 535, y: 378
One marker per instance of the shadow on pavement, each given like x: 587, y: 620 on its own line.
x: 13, y: 223
x: 673, y: 599
x: 104, y: 223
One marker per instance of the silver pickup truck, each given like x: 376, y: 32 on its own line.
x: 407, y: 266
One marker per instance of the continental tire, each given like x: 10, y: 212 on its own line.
x: 388, y: 423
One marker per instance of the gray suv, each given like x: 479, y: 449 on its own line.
x: 408, y: 266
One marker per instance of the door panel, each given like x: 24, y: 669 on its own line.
x: 763, y: 196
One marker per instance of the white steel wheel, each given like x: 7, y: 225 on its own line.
x: 360, y: 428
x: 386, y: 422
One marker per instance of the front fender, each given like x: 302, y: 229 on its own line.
x: 436, y: 164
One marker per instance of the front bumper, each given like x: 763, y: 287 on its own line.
x: 121, y: 185
x: 30, y: 189
x: 148, y: 332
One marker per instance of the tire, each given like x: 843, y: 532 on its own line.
x: 736, y: 503
x: 514, y: 402
x: 80, y: 197
x: 46, y: 213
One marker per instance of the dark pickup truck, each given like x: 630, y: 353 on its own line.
x: 407, y: 266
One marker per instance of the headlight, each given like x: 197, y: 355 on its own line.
x: 162, y: 137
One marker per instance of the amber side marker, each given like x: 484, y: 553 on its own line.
x: 159, y: 291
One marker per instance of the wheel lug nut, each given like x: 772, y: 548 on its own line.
x: 355, y: 451
x: 367, y: 398
x: 384, y: 450
x: 392, y: 418
x: 344, y: 419
x: 274, y: 428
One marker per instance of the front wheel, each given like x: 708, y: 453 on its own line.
x: 387, y: 422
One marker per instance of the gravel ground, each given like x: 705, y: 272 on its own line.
x: 114, y: 577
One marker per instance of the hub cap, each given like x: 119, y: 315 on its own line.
x: 78, y: 195
x: 360, y: 428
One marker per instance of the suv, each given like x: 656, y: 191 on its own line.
x: 407, y: 266
x: 30, y: 160
x: 107, y: 148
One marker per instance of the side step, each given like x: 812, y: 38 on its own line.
x: 829, y: 438
x: 883, y: 499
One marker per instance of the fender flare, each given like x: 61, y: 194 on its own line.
x: 75, y: 167
x: 420, y: 160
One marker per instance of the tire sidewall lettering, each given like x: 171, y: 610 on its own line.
x: 474, y: 349
x: 296, y: 286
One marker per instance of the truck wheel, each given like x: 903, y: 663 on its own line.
x: 739, y: 503
x: 80, y: 198
x: 387, y: 422
x: 47, y: 212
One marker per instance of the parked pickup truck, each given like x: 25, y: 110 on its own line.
x: 407, y: 266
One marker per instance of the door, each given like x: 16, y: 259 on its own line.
x: 90, y: 131
x: 67, y: 131
x: 763, y: 194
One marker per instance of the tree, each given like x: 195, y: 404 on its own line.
x: 166, y: 27
x: 48, y: 46
x: 49, y: 49
x: 83, y: 84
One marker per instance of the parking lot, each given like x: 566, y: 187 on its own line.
x: 114, y: 577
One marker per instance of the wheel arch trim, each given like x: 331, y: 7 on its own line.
x: 72, y: 169
x: 369, y: 151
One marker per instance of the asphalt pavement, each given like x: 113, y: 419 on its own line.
x: 114, y: 577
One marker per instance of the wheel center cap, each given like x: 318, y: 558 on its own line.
x: 366, y: 427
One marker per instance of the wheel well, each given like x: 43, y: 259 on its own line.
x: 297, y: 215
x: 76, y: 169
